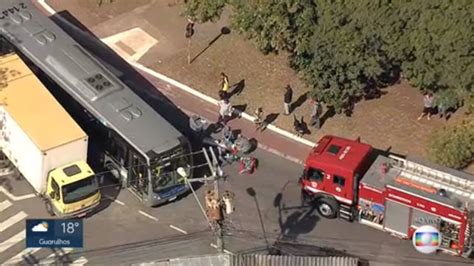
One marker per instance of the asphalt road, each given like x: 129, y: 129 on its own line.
x: 126, y: 232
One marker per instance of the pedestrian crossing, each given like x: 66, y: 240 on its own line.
x: 12, y: 242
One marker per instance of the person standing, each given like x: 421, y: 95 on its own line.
x: 225, y: 111
x: 224, y: 83
x: 428, y: 101
x: 287, y: 97
x: 316, y: 112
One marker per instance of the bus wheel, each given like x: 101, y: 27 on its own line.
x: 49, y: 208
x: 327, y: 207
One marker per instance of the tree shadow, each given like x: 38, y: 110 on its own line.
x: 301, y: 220
x: 237, y: 88
x: 224, y: 31
x: 302, y: 99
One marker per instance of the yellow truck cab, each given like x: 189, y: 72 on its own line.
x: 72, y: 190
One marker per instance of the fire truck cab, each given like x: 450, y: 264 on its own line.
x: 331, y: 175
x: 348, y: 179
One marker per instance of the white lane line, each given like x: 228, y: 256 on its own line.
x: 12, y: 241
x: 4, y: 205
x: 21, y: 256
x: 51, y: 258
x: 178, y: 229
x: 12, y: 220
x: 148, y: 215
x: 225, y: 250
x: 115, y: 200
x: 80, y: 261
x: 16, y: 198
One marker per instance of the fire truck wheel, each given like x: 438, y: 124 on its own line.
x: 327, y: 207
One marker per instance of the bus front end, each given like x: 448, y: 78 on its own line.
x: 168, y: 174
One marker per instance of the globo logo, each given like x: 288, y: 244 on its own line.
x: 426, y: 239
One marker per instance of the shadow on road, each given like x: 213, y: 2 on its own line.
x: 299, y: 219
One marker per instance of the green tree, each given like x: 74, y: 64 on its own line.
x: 453, y: 146
x: 204, y: 10
x: 349, y: 49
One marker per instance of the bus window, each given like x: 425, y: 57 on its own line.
x: 138, y: 174
x: 164, y: 172
x: 117, y: 149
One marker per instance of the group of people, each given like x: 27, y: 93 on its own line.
x: 227, y: 111
x: 315, y: 116
x: 430, y: 107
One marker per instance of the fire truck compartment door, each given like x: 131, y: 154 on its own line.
x: 397, y: 218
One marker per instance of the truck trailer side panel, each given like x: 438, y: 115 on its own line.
x: 21, y: 151
x: 42, y: 134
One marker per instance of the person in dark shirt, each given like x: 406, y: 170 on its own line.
x: 287, y: 97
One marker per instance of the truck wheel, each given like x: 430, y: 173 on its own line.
x: 49, y: 208
x: 327, y: 207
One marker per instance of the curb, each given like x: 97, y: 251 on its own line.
x: 211, y: 100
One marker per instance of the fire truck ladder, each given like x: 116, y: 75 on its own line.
x: 434, y: 178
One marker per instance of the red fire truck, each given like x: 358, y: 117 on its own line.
x: 351, y: 180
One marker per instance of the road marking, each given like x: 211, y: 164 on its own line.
x: 21, y: 256
x: 115, y: 200
x: 52, y: 257
x: 148, y: 215
x: 4, y: 205
x: 12, y: 220
x: 12, y: 241
x: 178, y: 229
x: 225, y: 250
x: 16, y: 198
x: 80, y: 261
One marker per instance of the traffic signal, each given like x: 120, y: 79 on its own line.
x: 189, y: 29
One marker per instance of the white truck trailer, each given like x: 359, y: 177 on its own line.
x: 44, y: 143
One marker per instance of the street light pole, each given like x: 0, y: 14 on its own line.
x: 216, y: 172
x: 189, y: 51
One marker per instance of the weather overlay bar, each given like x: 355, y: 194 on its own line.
x: 51, y: 233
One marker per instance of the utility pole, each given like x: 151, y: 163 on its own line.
x: 213, y: 215
x: 189, y: 34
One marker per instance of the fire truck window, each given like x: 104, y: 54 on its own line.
x: 315, y: 174
x: 339, y: 180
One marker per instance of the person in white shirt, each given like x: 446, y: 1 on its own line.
x: 225, y: 111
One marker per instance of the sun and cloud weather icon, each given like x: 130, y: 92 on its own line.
x: 41, y: 227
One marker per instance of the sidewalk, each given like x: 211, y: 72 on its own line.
x: 267, y: 140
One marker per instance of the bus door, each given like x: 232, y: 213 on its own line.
x: 138, y: 175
